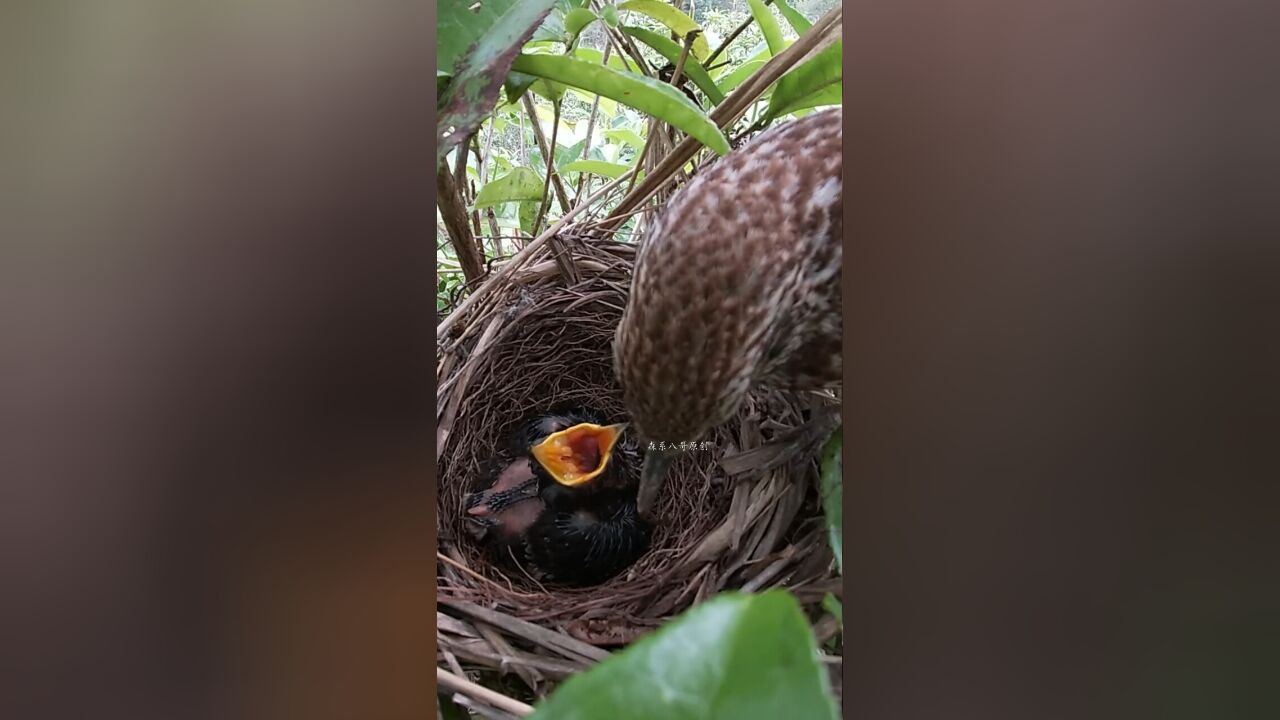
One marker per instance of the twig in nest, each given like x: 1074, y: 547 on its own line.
x: 453, y: 683
x: 518, y: 259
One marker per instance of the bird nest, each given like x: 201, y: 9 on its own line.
x: 743, y: 514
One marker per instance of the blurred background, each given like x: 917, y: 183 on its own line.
x: 214, y: 335
x: 214, y: 402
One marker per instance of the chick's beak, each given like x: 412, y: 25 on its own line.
x: 652, y: 475
x: 577, y: 455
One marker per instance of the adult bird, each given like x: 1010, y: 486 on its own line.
x: 736, y: 286
x: 558, y: 501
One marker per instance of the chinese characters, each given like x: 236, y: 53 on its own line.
x: 682, y: 446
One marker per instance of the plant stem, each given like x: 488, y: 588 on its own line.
x: 551, y: 171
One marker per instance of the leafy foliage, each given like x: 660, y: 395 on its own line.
x: 478, y: 50
x: 516, y: 186
x: 673, y: 19
x: 817, y: 82
x: 604, y: 115
x: 646, y: 94
x: 768, y: 25
x: 671, y: 51
x: 748, y: 657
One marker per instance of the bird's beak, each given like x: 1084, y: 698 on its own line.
x: 577, y: 455
x: 652, y: 476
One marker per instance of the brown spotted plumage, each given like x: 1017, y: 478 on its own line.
x: 736, y: 285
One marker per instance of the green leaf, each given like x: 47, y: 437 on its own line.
x: 567, y: 153
x: 768, y: 25
x: 676, y: 21
x: 529, y: 214
x: 832, y: 605
x: 596, y: 57
x: 478, y: 48
x: 517, y: 83
x: 552, y: 29
x: 816, y: 82
x: 597, y: 167
x: 798, y: 22
x: 624, y: 135
x: 832, y: 492
x: 668, y: 49
x: 735, y: 78
x: 747, y: 657
x: 642, y: 93
x: 576, y: 20
x: 610, y: 15
x: 518, y: 185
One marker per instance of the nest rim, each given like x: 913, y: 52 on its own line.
x: 507, y: 359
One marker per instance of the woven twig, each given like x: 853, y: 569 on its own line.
x: 535, y: 341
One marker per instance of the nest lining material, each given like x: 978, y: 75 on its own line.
x: 538, y: 341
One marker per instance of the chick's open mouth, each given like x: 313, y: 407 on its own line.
x: 579, y: 454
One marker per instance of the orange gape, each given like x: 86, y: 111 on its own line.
x: 577, y: 455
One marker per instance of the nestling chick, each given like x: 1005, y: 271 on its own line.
x: 736, y: 285
x: 558, y: 503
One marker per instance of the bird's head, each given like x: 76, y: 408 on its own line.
x: 579, y: 454
x: 693, y: 335
x: 720, y: 280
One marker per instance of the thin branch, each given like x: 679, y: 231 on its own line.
x: 463, y: 686
x: 654, y: 124
x: 732, y: 36
x: 454, y: 212
x: 484, y: 178
x: 551, y: 171
x: 591, y: 124
x: 519, y: 258
x: 620, y: 41
x: 561, y: 194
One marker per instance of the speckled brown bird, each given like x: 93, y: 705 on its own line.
x: 736, y: 285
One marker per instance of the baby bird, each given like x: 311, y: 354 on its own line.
x: 736, y: 286
x: 559, y: 502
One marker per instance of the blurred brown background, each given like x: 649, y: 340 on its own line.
x: 1064, y: 262
x: 215, y: 352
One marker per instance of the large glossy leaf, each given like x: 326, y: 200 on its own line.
x: 768, y: 25
x: 576, y: 20
x: 676, y: 21
x: 668, y: 49
x: 816, y: 82
x: 596, y: 167
x: 642, y: 93
x: 518, y: 185
x: 609, y: 13
x: 478, y: 49
x: 746, y: 657
x: 596, y: 57
x: 798, y: 22
x: 832, y: 493
x: 624, y: 135
x: 552, y: 28
x: 529, y: 215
